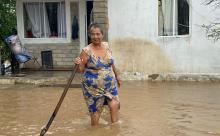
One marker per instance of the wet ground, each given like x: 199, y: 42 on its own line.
x: 147, y: 109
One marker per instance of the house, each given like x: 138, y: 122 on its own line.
x: 146, y: 36
x: 55, y: 31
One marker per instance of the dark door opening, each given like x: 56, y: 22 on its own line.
x: 47, y: 59
x: 90, y: 19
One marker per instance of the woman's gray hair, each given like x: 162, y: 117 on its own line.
x: 94, y: 25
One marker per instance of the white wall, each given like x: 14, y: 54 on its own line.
x: 130, y: 19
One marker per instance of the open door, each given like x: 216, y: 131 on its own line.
x: 89, y: 17
x: 85, y: 19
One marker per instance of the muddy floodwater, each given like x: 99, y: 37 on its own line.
x: 147, y: 109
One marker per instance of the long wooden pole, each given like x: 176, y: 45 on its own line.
x: 45, y: 128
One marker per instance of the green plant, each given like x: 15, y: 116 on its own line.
x: 7, y: 25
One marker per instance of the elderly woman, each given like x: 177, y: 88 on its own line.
x: 100, y: 80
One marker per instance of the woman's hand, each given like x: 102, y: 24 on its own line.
x: 78, y: 60
x: 81, y: 61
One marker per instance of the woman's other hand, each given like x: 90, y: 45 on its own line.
x: 118, y: 81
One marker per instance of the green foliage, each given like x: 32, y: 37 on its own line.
x: 7, y: 24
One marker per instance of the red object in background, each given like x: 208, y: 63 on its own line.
x: 53, y: 34
x: 29, y: 34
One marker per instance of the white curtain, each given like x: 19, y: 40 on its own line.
x: 38, y: 18
x: 61, y: 17
x: 168, y: 17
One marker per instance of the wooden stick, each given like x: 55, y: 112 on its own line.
x: 45, y: 128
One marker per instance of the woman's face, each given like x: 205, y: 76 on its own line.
x: 96, y: 36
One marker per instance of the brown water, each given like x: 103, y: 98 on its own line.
x: 147, y: 109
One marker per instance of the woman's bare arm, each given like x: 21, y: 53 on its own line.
x: 116, y: 75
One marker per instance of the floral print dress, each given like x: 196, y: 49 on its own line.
x: 98, y: 80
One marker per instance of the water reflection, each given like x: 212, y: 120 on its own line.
x: 155, y: 109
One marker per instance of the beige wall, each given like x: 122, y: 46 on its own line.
x: 136, y: 55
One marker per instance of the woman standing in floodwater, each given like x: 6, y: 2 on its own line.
x: 100, y: 81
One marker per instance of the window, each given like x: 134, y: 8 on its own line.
x: 44, y: 20
x: 173, y: 17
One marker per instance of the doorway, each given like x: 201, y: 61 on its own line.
x: 89, y: 17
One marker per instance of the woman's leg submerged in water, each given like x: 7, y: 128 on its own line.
x: 114, y: 106
x: 95, y: 118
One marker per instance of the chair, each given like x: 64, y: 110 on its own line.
x: 20, y: 53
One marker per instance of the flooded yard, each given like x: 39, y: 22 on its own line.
x: 147, y: 109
